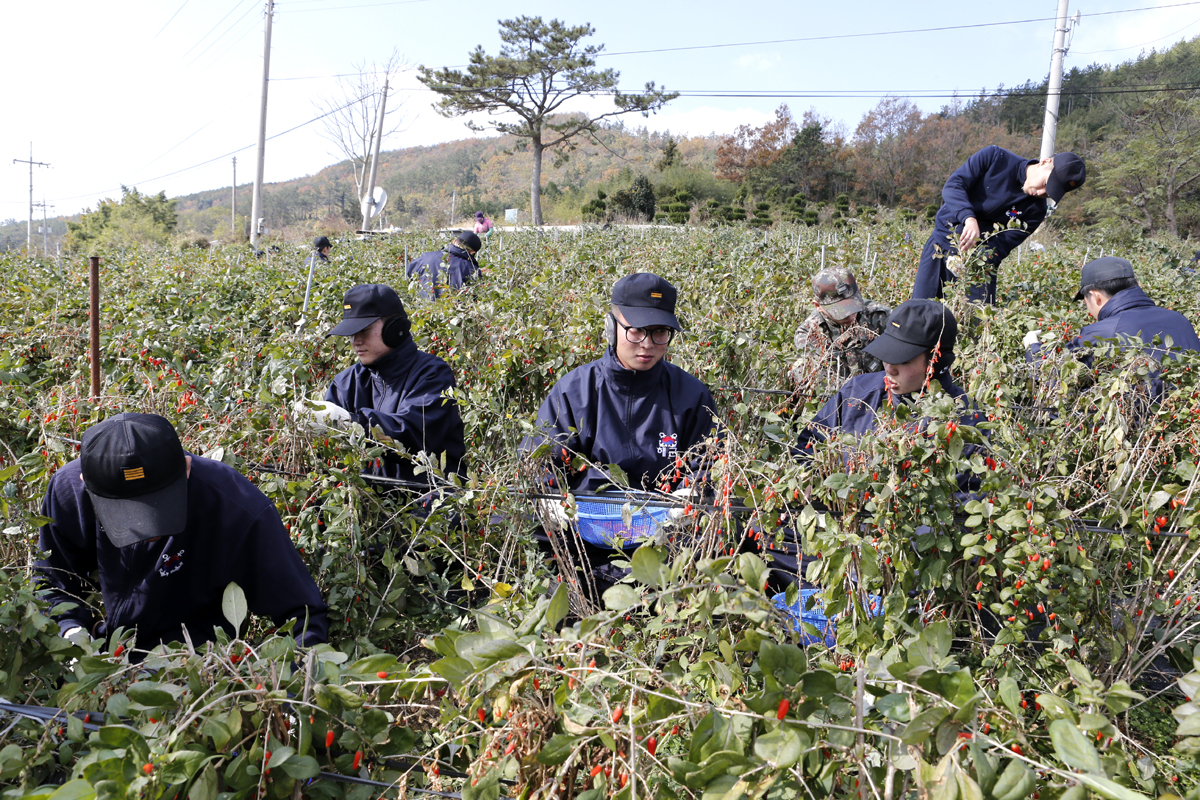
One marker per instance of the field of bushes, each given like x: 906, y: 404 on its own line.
x: 1039, y: 640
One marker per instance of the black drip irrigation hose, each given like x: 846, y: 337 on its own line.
x: 738, y: 508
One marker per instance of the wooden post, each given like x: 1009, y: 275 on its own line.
x: 94, y: 314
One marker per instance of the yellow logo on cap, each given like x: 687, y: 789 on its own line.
x: 656, y: 294
x: 134, y: 474
x: 347, y: 306
x: 897, y: 324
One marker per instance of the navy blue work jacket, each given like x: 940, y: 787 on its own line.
x: 1131, y: 314
x: 441, y: 270
x: 856, y: 409
x: 233, y: 533
x: 403, y: 393
x: 638, y: 420
x: 988, y: 188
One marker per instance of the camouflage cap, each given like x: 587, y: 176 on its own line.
x: 837, y: 294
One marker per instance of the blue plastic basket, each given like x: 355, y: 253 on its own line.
x: 601, y: 524
x: 815, y: 616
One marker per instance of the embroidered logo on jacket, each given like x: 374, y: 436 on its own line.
x: 668, y: 444
x: 170, y: 563
x: 1014, y: 213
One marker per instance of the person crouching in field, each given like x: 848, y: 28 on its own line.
x: 842, y: 325
x: 916, y: 350
x: 451, y: 268
x: 163, y: 533
x: 630, y: 408
x: 394, y: 386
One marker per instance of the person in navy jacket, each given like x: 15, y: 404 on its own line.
x: 1124, y: 314
x: 630, y: 407
x: 994, y: 187
x: 450, y: 268
x: 394, y: 387
x: 165, y: 532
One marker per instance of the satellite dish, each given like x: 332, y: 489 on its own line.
x: 371, y: 208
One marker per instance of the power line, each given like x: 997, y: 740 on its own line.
x: 831, y: 37
x: 236, y: 6
x: 215, y: 41
x: 364, y: 5
x: 1134, y: 46
x: 168, y: 22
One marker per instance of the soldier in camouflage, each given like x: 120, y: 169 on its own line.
x: 840, y: 327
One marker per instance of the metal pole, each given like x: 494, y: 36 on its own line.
x: 94, y: 314
x: 822, y: 256
x: 453, y: 206
x: 256, y: 202
x: 233, y: 201
x: 867, y: 252
x: 1054, y: 90
x: 369, y: 201
x: 32, y: 164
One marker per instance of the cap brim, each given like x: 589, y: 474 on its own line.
x: 350, y: 326
x: 130, y: 520
x: 844, y: 308
x: 642, y: 317
x: 1055, y: 188
x: 1079, y: 294
x: 891, y: 350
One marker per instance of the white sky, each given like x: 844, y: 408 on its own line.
x: 141, y: 92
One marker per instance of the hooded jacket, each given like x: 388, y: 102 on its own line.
x: 233, y: 533
x: 442, y: 269
x: 403, y: 393
x: 1131, y: 314
x: 638, y: 420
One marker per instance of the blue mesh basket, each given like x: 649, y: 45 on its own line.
x: 815, y: 616
x: 601, y: 524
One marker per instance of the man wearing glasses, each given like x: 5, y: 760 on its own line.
x: 630, y: 408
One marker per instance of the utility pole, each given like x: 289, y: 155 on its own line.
x: 368, y: 203
x: 32, y: 164
x: 233, y: 201
x: 1054, y: 89
x: 256, y: 204
x: 45, y: 229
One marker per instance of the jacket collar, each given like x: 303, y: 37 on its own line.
x: 458, y: 252
x: 630, y: 381
x: 1133, y: 297
x: 395, y: 365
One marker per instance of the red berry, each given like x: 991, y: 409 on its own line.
x: 357, y: 759
x: 381, y: 675
x: 616, y: 715
x: 328, y: 739
x: 1161, y: 521
x: 120, y: 649
x: 147, y: 768
x: 482, y: 716
x: 784, y: 705
x: 651, y: 745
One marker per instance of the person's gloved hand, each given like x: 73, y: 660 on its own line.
x: 77, y: 635
x: 321, y: 414
x: 954, y: 264
x: 553, y: 514
x: 686, y: 496
x: 1032, y: 338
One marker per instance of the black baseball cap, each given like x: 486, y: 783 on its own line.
x: 1068, y: 174
x: 321, y: 242
x: 646, y: 300
x: 135, y: 473
x: 915, y: 327
x: 364, y: 304
x: 1106, y: 268
x: 470, y: 240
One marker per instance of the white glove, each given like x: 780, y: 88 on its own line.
x: 1032, y: 338
x: 954, y: 265
x: 321, y: 414
x: 553, y: 513
x: 685, y: 495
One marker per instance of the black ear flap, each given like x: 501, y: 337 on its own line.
x: 610, y: 330
x: 395, y: 329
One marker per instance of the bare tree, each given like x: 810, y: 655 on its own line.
x: 353, y: 112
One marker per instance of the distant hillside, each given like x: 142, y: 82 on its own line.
x: 487, y: 174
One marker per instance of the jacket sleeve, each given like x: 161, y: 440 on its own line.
x: 827, y: 420
x: 955, y: 192
x: 556, y: 424
x: 281, y: 587
x: 70, y: 557
x: 424, y: 419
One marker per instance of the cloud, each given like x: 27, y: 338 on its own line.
x: 760, y: 62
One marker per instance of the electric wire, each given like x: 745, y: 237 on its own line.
x: 215, y: 41
x: 168, y: 22
x: 236, y: 6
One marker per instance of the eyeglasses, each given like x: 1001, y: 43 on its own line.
x: 638, y: 335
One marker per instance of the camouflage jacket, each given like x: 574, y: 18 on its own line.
x: 817, y: 339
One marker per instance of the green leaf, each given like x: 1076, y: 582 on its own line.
x: 620, y: 597
x: 301, y: 768
x: 1110, y: 789
x: 819, y: 683
x: 233, y: 605
x: 279, y: 756
x: 647, y: 566
x: 917, y: 731
x: 560, y: 605
x: 77, y: 789
x: 205, y: 786
x: 455, y: 670
x: 151, y: 694
x: 1010, y: 695
x: 894, y: 707
x: 180, y: 766
x: 1072, y: 748
x: 558, y: 749
x: 781, y: 747
x: 482, y: 650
